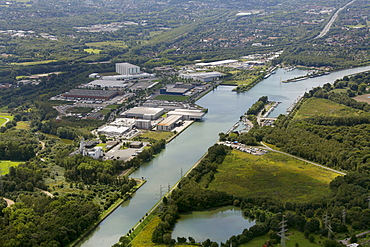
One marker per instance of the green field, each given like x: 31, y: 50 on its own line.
x: 104, y: 111
x: 323, y: 107
x: 35, y: 63
x: 23, y: 125
x: 171, y: 97
x: 156, y: 135
x: 294, y: 237
x: 271, y: 175
x: 112, y: 106
x: 116, y: 43
x: 5, y: 164
x: 93, y: 51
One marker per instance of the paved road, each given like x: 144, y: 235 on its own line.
x: 307, y: 161
x: 332, y: 20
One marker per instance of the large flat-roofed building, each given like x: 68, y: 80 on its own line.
x: 169, y: 123
x: 113, y: 130
x: 105, y: 84
x: 202, y: 76
x: 127, y: 69
x: 90, y: 94
x: 148, y: 113
x: 188, y: 114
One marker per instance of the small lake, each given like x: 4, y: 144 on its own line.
x: 202, y: 225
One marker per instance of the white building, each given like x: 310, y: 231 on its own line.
x: 148, y: 113
x: 127, y: 69
x: 112, y: 130
x: 188, y: 114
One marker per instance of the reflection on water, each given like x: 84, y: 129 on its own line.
x: 217, y: 225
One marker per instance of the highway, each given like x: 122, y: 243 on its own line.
x: 332, y: 20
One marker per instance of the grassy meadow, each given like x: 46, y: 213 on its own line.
x: 156, y: 135
x: 171, y: 97
x: 323, y: 107
x: 117, y: 43
x: 5, y: 164
x: 271, y: 175
x: 93, y: 51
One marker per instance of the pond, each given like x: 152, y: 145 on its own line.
x: 217, y: 224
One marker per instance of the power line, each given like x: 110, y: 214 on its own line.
x: 282, y: 232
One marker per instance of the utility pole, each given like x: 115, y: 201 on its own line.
x: 281, y: 234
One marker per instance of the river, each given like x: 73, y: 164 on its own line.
x: 224, y: 109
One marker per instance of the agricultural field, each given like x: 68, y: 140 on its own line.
x: 271, y: 175
x: 5, y: 164
x: 294, y: 237
x: 322, y: 107
x: 156, y: 135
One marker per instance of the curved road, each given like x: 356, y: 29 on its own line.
x: 7, y: 120
x: 332, y: 19
x: 307, y: 161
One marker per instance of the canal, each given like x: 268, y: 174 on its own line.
x: 224, y: 109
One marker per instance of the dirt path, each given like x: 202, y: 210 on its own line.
x: 7, y: 120
x: 8, y: 201
x: 307, y: 161
x: 46, y: 192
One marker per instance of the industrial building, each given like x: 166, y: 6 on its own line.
x: 176, y: 89
x: 188, y: 114
x: 90, y: 94
x: 105, y: 84
x: 169, y: 123
x: 123, y: 122
x: 203, y: 76
x: 127, y: 69
x: 128, y: 77
x: 113, y: 130
x: 143, y: 124
x: 147, y: 113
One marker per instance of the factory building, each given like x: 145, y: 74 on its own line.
x: 147, y: 113
x: 143, y: 124
x: 113, y: 130
x: 169, y: 123
x: 188, y: 114
x: 90, y: 94
x: 128, y: 77
x: 127, y: 69
x: 177, y: 89
x: 203, y: 76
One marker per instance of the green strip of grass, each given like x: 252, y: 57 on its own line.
x: 271, y: 175
x: 171, y: 97
x: 5, y: 164
x: 34, y: 63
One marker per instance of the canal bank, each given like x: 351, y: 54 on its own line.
x: 224, y: 109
